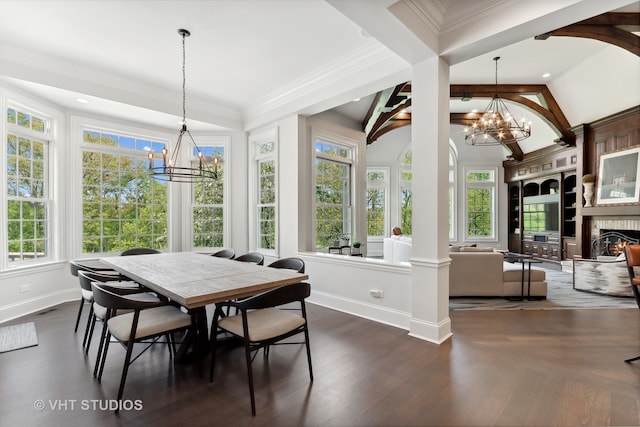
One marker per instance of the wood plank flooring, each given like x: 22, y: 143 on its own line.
x: 502, y: 368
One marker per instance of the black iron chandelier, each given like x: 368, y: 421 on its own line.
x: 206, y: 167
x: 496, y: 126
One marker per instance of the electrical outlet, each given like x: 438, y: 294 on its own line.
x: 25, y: 288
x: 376, y: 293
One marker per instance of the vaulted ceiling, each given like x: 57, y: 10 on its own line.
x: 390, y: 109
x: 251, y: 62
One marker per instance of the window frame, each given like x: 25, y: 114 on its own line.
x: 78, y: 125
x: 51, y: 138
x: 493, y: 186
x: 385, y: 185
x: 453, y: 192
x: 351, y: 146
x: 403, y: 185
x: 205, y: 143
x: 255, y: 141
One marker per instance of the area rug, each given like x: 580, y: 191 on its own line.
x: 15, y: 337
x: 560, y: 295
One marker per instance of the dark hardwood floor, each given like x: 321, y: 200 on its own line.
x: 505, y: 368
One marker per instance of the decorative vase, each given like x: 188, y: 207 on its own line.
x: 588, y: 194
x: 355, y: 251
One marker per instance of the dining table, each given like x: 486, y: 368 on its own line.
x: 194, y: 280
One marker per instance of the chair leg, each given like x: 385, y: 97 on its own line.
x: 88, y: 339
x: 125, y: 369
x: 103, y: 356
x: 79, y: 314
x: 306, y: 339
x: 213, y: 342
x: 90, y: 318
x: 247, y: 352
x: 632, y: 359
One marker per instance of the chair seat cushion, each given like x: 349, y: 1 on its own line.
x: 263, y: 324
x: 87, y: 295
x: 152, y: 322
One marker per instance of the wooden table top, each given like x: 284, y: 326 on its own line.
x: 195, y: 280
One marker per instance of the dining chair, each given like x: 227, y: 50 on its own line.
x: 253, y: 257
x: 97, y: 312
x: 260, y: 324
x: 295, y: 264
x: 146, y: 320
x: 87, y: 296
x: 225, y: 253
x: 139, y: 251
x: 632, y: 255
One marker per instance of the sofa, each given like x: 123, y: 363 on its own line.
x: 397, y: 248
x: 484, y: 273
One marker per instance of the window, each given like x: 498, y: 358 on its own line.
x: 377, y: 191
x: 333, y: 192
x: 266, y: 196
x: 480, y: 203
x: 28, y: 185
x: 207, y: 201
x: 406, y: 196
x: 122, y: 207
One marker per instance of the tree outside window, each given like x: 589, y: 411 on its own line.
x: 207, y: 203
x: 122, y: 206
x: 480, y: 197
x: 406, y: 194
x: 28, y: 199
x: 377, y: 190
x: 333, y: 193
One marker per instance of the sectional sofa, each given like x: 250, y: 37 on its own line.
x: 483, y: 272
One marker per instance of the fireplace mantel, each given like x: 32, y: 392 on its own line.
x: 611, y: 211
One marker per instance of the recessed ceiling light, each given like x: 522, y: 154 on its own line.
x: 545, y: 75
x: 82, y: 100
x: 356, y: 100
x: 475, y: 110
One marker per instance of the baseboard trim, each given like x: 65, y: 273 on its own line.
x: 29, y: 306
x: 391, y: 317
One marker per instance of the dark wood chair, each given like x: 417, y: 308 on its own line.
x: 260, y: 325
x: 97, y: 312
x: 295, y: 264
x: 253, y: 257
x: 146, y: 320
x: 632, y: 255
x: 225, y: 253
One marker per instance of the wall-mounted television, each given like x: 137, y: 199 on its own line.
x: 541, y: 214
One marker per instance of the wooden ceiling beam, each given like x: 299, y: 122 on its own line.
x: 605, y: 28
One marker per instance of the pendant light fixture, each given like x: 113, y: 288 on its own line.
x: 166, y: 167
x: 496, y: 126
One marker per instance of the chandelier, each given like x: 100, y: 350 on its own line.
x: 206, y: 167
x: 496, y: 126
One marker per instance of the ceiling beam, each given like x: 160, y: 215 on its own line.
x: 612, y: 28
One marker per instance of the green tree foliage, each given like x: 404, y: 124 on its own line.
x: 123, y: 207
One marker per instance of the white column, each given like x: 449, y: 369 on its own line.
x: 430, y: 146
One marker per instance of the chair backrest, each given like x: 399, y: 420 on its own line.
x: 225, y: 253
x: 295, y: 264
x: 279, y: 296
x: 139, y: 251
x: 632, y: 255
x: 86, y: 277
x: 254, y: 257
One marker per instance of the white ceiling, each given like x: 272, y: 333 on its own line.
x: 251, y: 61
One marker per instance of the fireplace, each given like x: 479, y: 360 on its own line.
x: 611, y: 235
x: 612, y: 242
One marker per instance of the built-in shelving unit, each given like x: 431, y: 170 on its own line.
x: 569, y: 204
